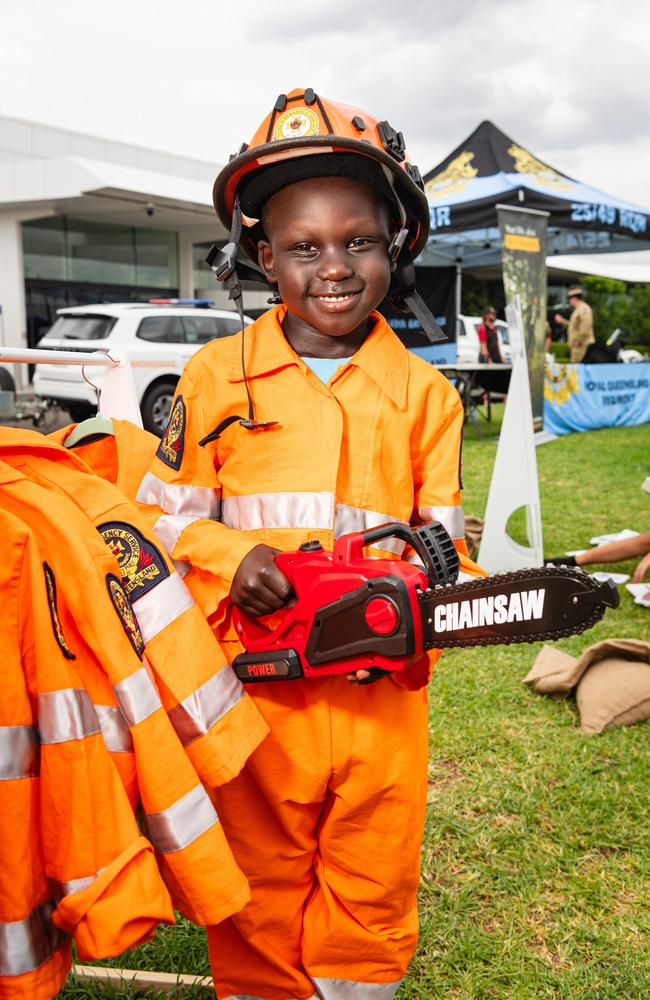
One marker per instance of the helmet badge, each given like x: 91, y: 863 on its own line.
x: 296, y: 123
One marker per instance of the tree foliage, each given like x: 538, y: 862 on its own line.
x: 616, y: 304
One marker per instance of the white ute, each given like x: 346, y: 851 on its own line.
x: 158, y: 337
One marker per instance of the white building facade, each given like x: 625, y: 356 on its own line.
x: 86, y: 220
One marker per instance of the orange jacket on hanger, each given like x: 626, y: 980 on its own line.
x: 215, y: 719
x: 72, y: 860
x: 180, y: 819
x: 122, y: 458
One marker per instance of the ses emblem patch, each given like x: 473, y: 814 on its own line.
x: 125, y: 613
x: 170, y: 449
x: 50, y: 586
x: 141, y: 563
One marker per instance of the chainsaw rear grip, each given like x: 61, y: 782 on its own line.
x: 431, y: 541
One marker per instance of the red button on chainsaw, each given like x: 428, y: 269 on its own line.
x: 381, y: 615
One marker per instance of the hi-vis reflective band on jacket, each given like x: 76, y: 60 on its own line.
x: 379, y: 443
x: 259, y: 511
x: 195, y: 859
x: 62, y: 872
x: 214, y: 718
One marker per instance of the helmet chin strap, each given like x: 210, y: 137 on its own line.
x: 403, y: 294
x: 223, y: 262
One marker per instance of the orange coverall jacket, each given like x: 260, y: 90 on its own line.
x: 181, y: 822
x: 64, y: 870
x: 380, y: 442
x: 214, y: 718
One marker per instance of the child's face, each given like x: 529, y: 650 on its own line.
x: 327, y: 250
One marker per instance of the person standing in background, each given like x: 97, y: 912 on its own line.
x: 580, y: 332
x: 489, y: 349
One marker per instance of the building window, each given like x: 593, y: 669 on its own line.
x: 67, y: 249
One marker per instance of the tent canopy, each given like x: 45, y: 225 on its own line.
x: 490, y: 168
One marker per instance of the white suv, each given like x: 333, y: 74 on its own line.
x: 165, y: 334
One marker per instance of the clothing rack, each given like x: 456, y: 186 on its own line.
x: 117, y: 395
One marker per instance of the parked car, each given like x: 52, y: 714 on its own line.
x: 165, y: 332
x: 467, y: 342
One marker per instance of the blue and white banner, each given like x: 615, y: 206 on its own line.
x: 585, y: 397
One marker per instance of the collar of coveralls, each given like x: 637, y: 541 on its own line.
x: 381, y: 356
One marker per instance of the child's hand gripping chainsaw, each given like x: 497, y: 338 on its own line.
x: 351, y: 612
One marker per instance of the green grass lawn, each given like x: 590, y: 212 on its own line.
x: 536, y: 858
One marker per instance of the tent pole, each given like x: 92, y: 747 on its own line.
x: 458, y: 290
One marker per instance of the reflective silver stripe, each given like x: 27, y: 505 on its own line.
x: 176, y: 827
x: 302, y: 510
x: 452, y: 518
x: 357, y: 519
x: 61, y: 889
x: 345, y: 989
x: 66, y: 715
x: 161, y: 605
x: 19, y: 756
x: 195, y: 715
x: 170, y: 527
x: 182, y: 568
x: 137, y: 696
x: 26, y: 944
x: 115, y: 730
x: 200, y: 501
x: 278, y: 510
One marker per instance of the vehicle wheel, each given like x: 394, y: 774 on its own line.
x: 156, y: 406
x: 7, y: 383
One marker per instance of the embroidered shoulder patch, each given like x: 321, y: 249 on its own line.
x: 50, y: 586
x: 125, y: 613
x: 141, y: 563
x: 170, y: 449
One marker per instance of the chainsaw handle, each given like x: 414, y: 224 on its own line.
x: 431, y: 541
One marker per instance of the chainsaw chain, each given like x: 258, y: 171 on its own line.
x: 479, y: 583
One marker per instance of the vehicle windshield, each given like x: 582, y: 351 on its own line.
x: 80, y: 327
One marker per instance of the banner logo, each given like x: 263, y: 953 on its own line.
x: 454, y: 178
x: 526, y: 163
x: 560, y: 383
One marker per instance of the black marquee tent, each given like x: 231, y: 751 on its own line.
x: 490, y: 168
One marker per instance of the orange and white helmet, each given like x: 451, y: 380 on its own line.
x: 305, y: 136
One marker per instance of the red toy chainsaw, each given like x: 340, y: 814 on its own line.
x: 353, y: 612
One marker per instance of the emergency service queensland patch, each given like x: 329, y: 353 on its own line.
x: 50, y: 586
x: 170, y: 449
x: 125, y: 613
x: 141, y: 563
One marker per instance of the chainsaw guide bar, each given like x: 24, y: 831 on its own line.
x: 529, y: 605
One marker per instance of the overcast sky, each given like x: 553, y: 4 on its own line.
x: 569, y: 79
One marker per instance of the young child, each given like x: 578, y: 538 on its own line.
x: 346, y: 430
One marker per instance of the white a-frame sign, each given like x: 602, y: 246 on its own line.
x: 514, y: 477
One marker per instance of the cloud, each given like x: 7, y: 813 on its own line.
x: 566, y: 80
